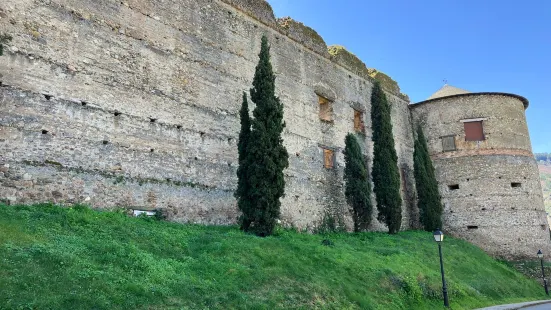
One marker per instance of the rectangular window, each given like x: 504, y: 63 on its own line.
x: 516, y: 185
x: 448, y: 143
x: 453, y: 187
x: 328, y: 158
x: 474, y: 131
x: 359, y: 121
x: 326, y: 109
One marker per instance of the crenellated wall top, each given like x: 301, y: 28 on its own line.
x: 309, y: 38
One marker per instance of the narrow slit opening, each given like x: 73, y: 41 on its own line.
x: 472, y: 227
x: 453, y: 187
x: 515, y: 184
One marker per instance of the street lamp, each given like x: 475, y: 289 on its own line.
x: 540, y: 255
x: 438, y: 237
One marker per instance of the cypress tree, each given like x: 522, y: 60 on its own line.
x: 358, y: 189
x: 428, y: 197
x: 242, y: 177
x: 266, y: 155
x: 386, y: 177
x: 4, y: 39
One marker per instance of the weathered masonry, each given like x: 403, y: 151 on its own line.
x: 135, y: 104
x: 487, y: 173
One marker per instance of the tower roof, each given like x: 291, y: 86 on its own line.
x: 447, y: 90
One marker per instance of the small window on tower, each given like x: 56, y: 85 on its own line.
x: 326, y: 109
x: 448, y: 143
x: 328, y: 158
x: 474, y: 130
x: 359, y: 121
x: 453, y: 187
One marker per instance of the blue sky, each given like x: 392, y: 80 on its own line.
x: 482, y: 45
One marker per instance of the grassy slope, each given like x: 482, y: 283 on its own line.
x: 77, y: 258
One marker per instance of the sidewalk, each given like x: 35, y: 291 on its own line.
x: 521, y: 305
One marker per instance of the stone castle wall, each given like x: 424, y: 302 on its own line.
x: 486, y: 209
x: 135, y: 104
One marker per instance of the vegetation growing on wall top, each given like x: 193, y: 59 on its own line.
x: 263, y: 12
x: 303, y: 34
x: 348, y: 60
x: 342, y: 56
x: 260, y: 10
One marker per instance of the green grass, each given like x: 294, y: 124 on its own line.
x: 76, y: 258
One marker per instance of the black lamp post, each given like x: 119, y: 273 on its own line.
x: 540, y: 255
x: 438, y: 237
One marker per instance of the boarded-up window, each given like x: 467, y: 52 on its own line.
x: 474, y: 131
x: 326, y: 109
x: 359, y: 121
x: 448, y: 143
x: 328, y: 158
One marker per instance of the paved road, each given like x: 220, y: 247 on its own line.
x: 534, y: 305
x: 538, y: 307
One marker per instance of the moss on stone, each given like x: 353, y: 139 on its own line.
x: 303, y: 34
x: 386, y: 81
x: 340, y: 55
x: 262, y: 11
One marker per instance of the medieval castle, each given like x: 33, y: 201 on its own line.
x: 135, y: 104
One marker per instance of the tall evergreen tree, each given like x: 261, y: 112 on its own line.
x: 241, y: 194
x: 4, y: 39
x: 266, y: 156
x: 386, y: 177
x: 358, y: 188
x: 428, y: 197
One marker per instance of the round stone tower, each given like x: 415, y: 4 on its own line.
x: 487, y: 174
